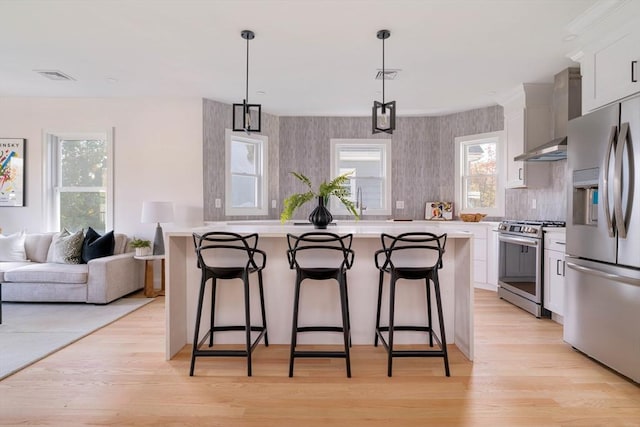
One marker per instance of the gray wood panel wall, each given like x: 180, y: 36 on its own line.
x: 422, y: 159
x: 217, y: 118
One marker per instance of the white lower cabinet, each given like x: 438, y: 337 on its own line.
x: 485, y: 252
x: 554, y: 272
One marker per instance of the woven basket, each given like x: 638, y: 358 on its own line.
x: 475, y: 217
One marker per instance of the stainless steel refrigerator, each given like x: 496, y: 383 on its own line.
x: 602, y: 299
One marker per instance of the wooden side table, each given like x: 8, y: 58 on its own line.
x: 149, y: 261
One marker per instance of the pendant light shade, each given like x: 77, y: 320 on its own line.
x: 383, y: 113
x: 247, y: 117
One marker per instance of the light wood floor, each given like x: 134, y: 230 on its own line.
x: 523, y: 375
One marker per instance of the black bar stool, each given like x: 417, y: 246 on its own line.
x: 321, y: 256
x: 235, y: 257
x: 411, y: 256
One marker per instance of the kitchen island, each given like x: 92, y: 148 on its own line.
x: 319, y: 303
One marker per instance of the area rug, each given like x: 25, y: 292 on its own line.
x: 32, y: 331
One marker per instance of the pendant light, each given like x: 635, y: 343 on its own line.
x: 247, y: 117
x: 384, y: 113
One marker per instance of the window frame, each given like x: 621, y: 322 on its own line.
x: 262, y: 142
x: 499, y: 209
x: 337, y: 143
x: 53, y: 175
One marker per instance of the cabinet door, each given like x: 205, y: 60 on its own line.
x: 514, y: 125
x: 612, y: 71
x: 554, y: 270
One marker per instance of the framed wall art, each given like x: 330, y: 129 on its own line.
x: 12, y: 164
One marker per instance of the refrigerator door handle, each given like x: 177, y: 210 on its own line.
x: 605, y: 180
x: 621, y: 221
x: 604, y: 274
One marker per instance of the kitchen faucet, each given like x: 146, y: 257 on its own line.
x: 359, y: 204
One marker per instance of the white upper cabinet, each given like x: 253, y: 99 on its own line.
x: 527, y: 124
x: 610, y: 69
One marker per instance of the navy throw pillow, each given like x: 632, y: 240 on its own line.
x: 97, y: 246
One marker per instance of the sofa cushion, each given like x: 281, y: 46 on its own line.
x: 66, y: 248
x: 37, y: 246
x: 6, y: 266
x: 48, y: 273
x: 97, y: 246
x: 12, y: 247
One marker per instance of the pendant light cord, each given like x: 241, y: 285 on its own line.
x: 247, y: 80
x: 383, y: 76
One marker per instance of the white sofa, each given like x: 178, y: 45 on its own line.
x: 100, y: 281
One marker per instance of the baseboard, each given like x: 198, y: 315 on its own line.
x: 487, y: 286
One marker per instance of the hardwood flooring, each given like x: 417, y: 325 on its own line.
x: 523, y: 375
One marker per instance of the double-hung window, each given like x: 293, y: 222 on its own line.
x: 479, y: 168
x: 369, y: 163
x: 79, y: 181
x: 246, y: 188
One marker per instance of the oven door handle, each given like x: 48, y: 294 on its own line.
x: 519, y: 240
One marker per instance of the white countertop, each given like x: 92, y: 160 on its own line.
x: 361, y: 229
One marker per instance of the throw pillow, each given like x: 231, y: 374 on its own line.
x: 97, y: 246
x: 12, y: 247
x: 67, y: 248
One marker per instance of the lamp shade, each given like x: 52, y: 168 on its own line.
x: 157, y: 212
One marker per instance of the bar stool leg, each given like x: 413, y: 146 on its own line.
x: 264, y: 314
x: 196, y: 334
x: 345, y: 322
x: 380, y: 283
x: 294, y: 328
x: 429, y: 319
x: 346, y: 296
x: 443, y: 339
x: 247, y: 315
x: 214, y: 287
x: 392, y: 302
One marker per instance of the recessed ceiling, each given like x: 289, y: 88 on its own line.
x: 309, y: 57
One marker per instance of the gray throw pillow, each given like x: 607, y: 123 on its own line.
x: 66, y: 248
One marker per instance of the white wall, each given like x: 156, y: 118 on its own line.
x: 157, y: 149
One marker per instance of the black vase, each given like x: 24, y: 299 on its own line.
x: 320, y: 216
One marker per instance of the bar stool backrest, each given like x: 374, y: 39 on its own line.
x: 218, y: 249
x: 411, y: 250
x: 320, y: 250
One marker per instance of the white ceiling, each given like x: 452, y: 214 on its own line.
x: 309, y: 57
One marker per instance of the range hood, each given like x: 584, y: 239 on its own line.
x: 551, y: 151
x: 566, y: 105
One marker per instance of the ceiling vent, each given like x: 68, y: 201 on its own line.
x: 387, y: 74
x: 54, y: 75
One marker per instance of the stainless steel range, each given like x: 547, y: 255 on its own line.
x: 520, y: 263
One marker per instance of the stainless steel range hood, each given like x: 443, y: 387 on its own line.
x: 551, y: 151
x: 567, y: 104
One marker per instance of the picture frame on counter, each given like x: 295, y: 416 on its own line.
x: 438, y: 211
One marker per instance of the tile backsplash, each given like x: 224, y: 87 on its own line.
x: 550, y: 202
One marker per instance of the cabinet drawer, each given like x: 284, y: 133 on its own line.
x: 556, y: 245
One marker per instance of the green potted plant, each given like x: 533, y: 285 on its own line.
x: 320, y: 216
x: 142, y: 246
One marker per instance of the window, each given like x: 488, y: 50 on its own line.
x: 246, y: 174
x: 79, y: 181
x: 369, y: 161
x: 479, y: 166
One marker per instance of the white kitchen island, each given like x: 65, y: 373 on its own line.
x: 319, y: 301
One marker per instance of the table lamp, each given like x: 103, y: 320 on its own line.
x: 157, y: 212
